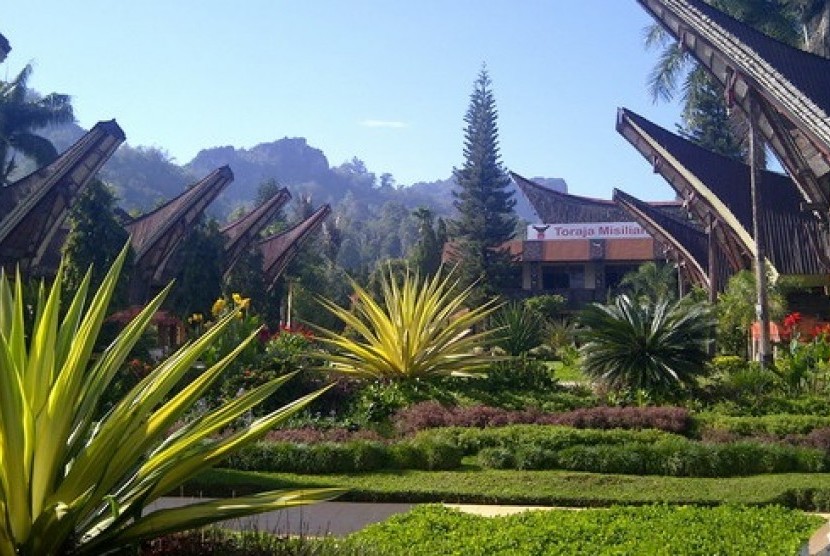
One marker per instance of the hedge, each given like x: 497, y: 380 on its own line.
x: 685, y: 530
x: 350, y: 457
x: 779, y: 425
x: 472, y: 440
x: 431, y: 414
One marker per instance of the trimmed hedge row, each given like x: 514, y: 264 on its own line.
x: 671, y: 457
x: 547, y: 437
x: 648, y: 452
x: 778, y: 425
x: 350, y: 457
x: 431, y: 414
x: 733, y: 530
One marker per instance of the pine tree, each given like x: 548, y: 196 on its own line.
x: 483, y: 199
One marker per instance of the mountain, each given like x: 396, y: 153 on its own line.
x: 143, y: 177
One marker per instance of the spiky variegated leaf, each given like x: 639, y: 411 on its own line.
x: 68, y: 480
x: 418, y: 329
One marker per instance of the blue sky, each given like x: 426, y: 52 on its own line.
x: 386, y: 81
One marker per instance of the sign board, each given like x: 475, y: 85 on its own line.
x: 587, y: 230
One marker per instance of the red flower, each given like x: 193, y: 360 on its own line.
x: 792, y: 319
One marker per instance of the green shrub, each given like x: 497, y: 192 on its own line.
x: 728, y: 364
x: 733, y: 530
x: 519, y: 373
x: 776, y: 425
x: 683, y: 458
x: 549, y: 437
x: 534, y: 457
x: 648, y: 452
x: 497, y: 458
x: 358, y: 456
x: 659, y: 347
x: 809, y: 499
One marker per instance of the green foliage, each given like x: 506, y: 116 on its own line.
x: 520, y: 328
x: 201, y: 267
x: 473, y: 485
x: 735, y: 311
x: 95, y: 239
x: 804, y: 366
x: 651, y: 282
x: 656, y: 347
x: 779, y: 425
x: 483, y: 199
x: 70, y: 483
x: 547, y: 306
x: 419, y: 329
x: 685, y: 458
x: 733, y: 530
x: 706, y: 120
x: 246, y: 276
x: 549, y: 437
x: 522, y: 373
x: 426, y: 256
x: 359, y: 456
x: 22, y: 113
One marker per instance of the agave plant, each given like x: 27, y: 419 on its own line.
x: 522, y: 328
x: 656, y: 347
x: 419, y: 329
x: 72, y: 485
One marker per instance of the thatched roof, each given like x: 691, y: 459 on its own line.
x: 242, y: 232
x: 157, y: 234
x: 792, y: 86
x: 715, y: 186
x: 684, y: 242
x: 34, y: 207
x: 279, y: 249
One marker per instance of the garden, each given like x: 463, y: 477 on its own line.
x: 621, y: 408
x: 422, y: 396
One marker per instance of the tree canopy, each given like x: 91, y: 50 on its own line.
x: 483, y: 199
x: 22, y: 114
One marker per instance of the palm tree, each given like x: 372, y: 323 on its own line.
x: 22, y: 113
x: 676, y: 72
x: 651, y: 281
x: 656, y: 347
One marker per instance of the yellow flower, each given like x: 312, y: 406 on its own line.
x: 218, y: 307
x: 237, y: 299
x: 244, y: 303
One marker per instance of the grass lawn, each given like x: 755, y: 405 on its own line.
x: 555, y: 488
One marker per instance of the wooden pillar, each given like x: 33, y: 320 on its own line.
x: 762, y: 306
x: 713, y: 260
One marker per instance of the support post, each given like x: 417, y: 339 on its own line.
x: 713, y: 260
x: 762, y: 306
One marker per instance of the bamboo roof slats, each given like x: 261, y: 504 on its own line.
x: 279, y: 249
x: 35, y: 206
x: 716, y: 186
x: 792, y: 86
x: 155, y: 235
x: 685, y: 243
x: 242, y: 232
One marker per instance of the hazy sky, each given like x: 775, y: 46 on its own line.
x: 386, y: 81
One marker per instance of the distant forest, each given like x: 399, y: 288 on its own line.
x: 373, y: 213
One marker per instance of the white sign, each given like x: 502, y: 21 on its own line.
x: 592, y: 230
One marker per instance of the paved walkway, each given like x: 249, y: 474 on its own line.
x: 342, y: 518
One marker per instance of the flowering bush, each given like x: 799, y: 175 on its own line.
x: 803, y: 366
x: 434, y: 415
